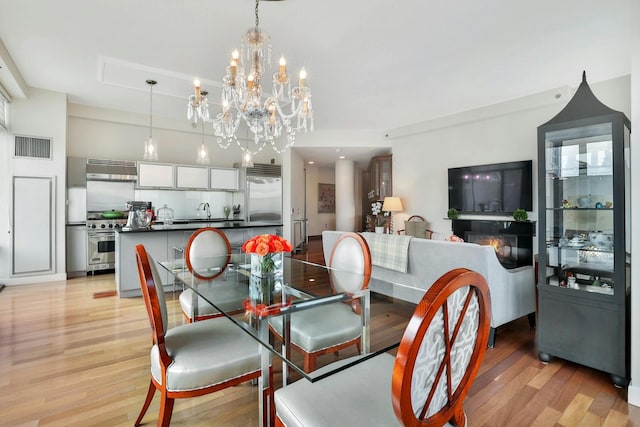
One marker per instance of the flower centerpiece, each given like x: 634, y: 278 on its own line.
x: 266, y: 265
x: 380, y: 221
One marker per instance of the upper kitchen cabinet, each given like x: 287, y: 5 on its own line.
x: 380, y: 177
x: 156, y: 175
x: 226, y: 179
x: 192, y: 177
x: 584, y: 216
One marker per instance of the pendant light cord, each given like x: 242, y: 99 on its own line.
x: 150, y: 110
x: 257, y: 17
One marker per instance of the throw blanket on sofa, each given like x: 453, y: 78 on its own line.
x: 389, y: 250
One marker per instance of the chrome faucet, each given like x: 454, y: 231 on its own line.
x: 205, y: 207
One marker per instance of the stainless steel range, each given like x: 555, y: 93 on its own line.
x: 101, y: 243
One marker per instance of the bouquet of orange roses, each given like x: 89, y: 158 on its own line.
x: 265, y: 246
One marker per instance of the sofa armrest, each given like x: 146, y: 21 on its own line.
x: 513, y: 294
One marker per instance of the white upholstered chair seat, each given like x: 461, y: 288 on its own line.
x: 205, y: 353
x: 323, y: 327
x: 229, y: 296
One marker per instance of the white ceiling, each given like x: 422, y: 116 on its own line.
x: 372, y: 64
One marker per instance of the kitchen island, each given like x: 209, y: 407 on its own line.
x: 166, y: 242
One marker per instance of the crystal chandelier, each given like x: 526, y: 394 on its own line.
x: 288, y: 110
x: 150, y: 146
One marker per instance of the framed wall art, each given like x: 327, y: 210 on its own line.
x: 326, y: 198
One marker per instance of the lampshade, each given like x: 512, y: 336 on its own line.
x: 392, y: 204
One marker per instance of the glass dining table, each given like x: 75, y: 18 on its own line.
x: 234, y: 293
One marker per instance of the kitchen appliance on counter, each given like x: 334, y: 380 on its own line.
x: 140, y: 215
x: 264, y: 193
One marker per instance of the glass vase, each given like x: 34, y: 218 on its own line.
x: 266, y: 278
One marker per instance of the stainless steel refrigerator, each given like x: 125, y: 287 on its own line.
x: 264, y: 197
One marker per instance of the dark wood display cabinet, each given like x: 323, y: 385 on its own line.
x: 584, y: 244
x: 376, y: 185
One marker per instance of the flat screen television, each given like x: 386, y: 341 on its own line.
x: 498, y: 188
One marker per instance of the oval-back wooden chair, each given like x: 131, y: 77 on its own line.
x: 333, y: 327
x: 193, y: 359
x: 426, y: 233
x: 424, y: 385
x: 207, y: 255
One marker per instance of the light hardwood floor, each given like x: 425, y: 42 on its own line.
x: 69, y: 358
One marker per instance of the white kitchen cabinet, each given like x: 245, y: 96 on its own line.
x: 127, y: 279
x: 224, y: 179
x: 156, y: 175
x: 192, y: 177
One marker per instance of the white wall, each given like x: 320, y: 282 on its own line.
x: 499, y: 133
x: 109, y: 134
x: 318, y: 221
x: 42, y: 114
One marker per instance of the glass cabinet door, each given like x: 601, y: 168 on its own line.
x: 579, y: 208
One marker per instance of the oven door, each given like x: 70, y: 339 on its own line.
x: 101, y: 248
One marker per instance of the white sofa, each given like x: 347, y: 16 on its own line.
x: 512, y: 290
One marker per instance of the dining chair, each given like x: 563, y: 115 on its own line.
x: 423, y: 385
x: 332, y: 327
x: 207, y: 255
x: 416, y: 226
x: 192, y: 359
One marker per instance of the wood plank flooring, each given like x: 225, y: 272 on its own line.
x: 68, y: 358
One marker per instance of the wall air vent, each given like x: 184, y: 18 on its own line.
x: 32, y: 147
x: 262, y: 169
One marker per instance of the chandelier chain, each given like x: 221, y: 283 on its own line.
x: 257, y: 15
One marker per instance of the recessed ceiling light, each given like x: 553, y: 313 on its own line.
x: 337, y: 150
x: 311, y: 162
x: 341, y: 157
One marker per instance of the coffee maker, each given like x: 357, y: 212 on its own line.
x: 140, y: 215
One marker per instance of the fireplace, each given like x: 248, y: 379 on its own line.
x: 505, y: 245
x: 512, y: 240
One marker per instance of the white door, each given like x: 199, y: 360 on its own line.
x: 33, y: 220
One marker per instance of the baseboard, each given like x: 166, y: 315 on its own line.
x: 28, y: 280
x: 633, y: 395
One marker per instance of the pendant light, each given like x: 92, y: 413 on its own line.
x: 203, y: 151
x: 247, y: 157
x: 150, y: 146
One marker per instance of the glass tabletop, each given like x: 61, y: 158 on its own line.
x: 254, y: 307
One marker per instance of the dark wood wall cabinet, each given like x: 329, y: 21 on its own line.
x: 376, y: 185
x: 584, y: 244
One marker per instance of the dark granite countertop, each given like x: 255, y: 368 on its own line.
x: 199, y: 224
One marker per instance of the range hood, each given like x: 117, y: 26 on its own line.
x: 111, y: 170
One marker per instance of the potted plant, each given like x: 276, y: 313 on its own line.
x: 520, y: 215
x: 380, y: 221
x: 453, y: 213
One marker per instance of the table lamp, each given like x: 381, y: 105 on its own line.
x: 392, y: 204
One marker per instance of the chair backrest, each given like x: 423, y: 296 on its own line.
x: 350, y: 255
x: 153, y: 297
x: 205, y: 253
x: 416, y: 226
x: 441, y: 350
